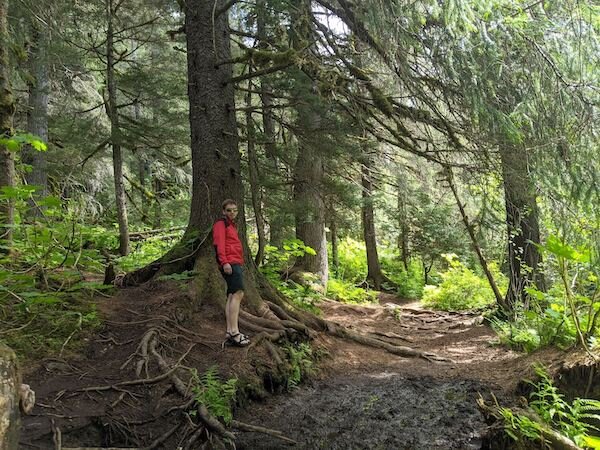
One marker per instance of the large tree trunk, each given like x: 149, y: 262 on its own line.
x: 255, y: 187
x: 523, y: 231
x: 368, y: 223
x: 308, y: 171
x: 115, y: 133
x: 7, y: 109
x: 215, y: 155
x: 37, y: 114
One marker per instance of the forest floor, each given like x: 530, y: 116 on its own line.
x: 360, y: 397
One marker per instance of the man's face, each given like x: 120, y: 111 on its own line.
x: 231, y: 211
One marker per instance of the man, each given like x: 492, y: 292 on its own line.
x: 230, y: 257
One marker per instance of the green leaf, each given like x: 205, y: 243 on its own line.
x: 50, y: 201
x: 592, y: 441
x: 310, y: 251
x: 555, y: 246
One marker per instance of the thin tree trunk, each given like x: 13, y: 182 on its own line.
x: 7, y: 109
x: 255, y: 187
x: 115, y: 134
x: 334, y: 245
x: 523, y: 233
x: 265, y: 88
x: 403, y: 237
x: 275, y: 222
x: 368, y: 223
x: 37, y: 115
x: 142, y: 171
x: 499, y: 298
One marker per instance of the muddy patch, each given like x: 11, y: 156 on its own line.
x: 375, y: 411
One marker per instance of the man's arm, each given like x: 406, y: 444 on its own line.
x: 219, y: 241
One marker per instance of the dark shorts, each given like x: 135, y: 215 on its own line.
x: 235, y: 281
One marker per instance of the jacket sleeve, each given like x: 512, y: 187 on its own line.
x: 219, y: 241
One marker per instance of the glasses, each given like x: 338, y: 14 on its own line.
x: 231, y: 210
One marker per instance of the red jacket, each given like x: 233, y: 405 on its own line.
x: 227, y: 242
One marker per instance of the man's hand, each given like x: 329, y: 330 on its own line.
x: 227, y: 269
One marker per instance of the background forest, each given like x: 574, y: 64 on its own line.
x: 429, y: 148
x: 445, y: 151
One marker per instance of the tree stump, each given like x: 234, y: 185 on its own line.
x: 10, y: 416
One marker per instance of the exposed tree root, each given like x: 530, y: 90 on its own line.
x: 247, y: 427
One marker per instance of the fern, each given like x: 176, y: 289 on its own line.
x: 301, y: 363
x: 568, y: 419
x: 210, y: 391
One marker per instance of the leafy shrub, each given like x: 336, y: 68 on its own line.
x: 409, y: 282
x: 146, y: 251
x: 461, y: 288
x: 546, y: 323
x: 564, y: 315
x: 346, y: 292
x: 353, y: 260
x: 218, y: 397
x: 278, y: 262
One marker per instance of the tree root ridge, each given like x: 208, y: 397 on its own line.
x: 310, y: 324
x: 193, y: 424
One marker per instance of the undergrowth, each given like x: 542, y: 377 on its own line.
x: 462, y: 289
x: 301, y: 363
x: 573, y: 420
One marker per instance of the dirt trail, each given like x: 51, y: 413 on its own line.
x: 365, y: 398
x: 361, y: 398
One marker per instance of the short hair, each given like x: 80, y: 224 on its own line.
x: 229, y: 201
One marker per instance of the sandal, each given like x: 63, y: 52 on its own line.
x: 237, y: 339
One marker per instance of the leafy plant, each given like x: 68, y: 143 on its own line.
x: 352, y: 260
x: 210, y: 391
x: 278, y: 262
x: 461, y: 288
x: 346, y: 292
x: 409, y: 283
x: 569, y: 419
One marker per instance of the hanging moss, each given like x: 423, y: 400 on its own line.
x: 381, y: 101
x: 264, y: 57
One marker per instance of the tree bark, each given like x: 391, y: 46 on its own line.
x: 368, y: 222
x: 255, y: 187
x: 309, y: 170
x: 335, y: 256
x: 215, y: 154
x: 265, y: 87
x: 10, y: 416
x: 275, y: 222
x: 522, y: 225
x: 403, y: 236
x: 37, y: 115
x: 115, y: 133
x: 7, y: 110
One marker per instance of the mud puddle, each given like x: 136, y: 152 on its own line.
x: 375, y: 411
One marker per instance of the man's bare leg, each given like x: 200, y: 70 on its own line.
x: 228, y: 315
x: 232, y: 310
